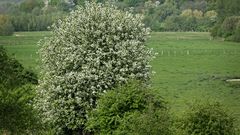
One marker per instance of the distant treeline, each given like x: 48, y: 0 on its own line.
x: 30, y: 15
x: 29, y: 22
x: 160, y: 15
x: 228, y: 24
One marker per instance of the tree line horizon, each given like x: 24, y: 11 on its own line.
x: 220, y: 17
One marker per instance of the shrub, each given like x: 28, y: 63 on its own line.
x: 6, y: 28
x: 229, y: 29
x: 208, y: 119
x: 17, y: 115
x: 214, y: 31
x: 12, y: 72
x: 229, y: 25
x: 211, y: 15
x: 187, y: 13
x: 130, y: 109
x: 236, y: 36
x: 91, y: 51
x: 170, y: 25
x: 198, y: 14
x: 188, y: 23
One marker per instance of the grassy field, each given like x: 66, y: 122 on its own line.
x: 23, y: 46
x: 189, y: 66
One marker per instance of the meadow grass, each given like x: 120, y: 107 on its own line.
x: 189, y: 66
x: 23, y: 47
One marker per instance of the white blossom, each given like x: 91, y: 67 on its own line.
x: 91, y: 51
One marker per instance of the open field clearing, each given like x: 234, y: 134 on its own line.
x: 189, y: 66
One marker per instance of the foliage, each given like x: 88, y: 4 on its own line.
x: 228, y: 12
x: 94, y: 49
x: 226, y: 8
x: 215, y: 31
x: 229, y: 25
x: 236, y: 35
x: 187, y: 13
x: 29, y: 5
x: 187, y: 23
x: 17, y: 115
x: 200, y: 5
x: 197, y: 14
x: 211, y: 14
x: 130, y: 109
x: 190, y: 20
x: 32, y: 22
x: 12, y: 72
x: 156, y: 11
x: 228, y: 29
x: 32, y: 15
x: 6, y: 27
x: 208, y: 118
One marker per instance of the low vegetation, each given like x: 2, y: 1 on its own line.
x: 228, y: 23
x: 209, y: 119
x: 229, y: 29
x: 12, y: 72
x: 130, y: 109
x: 17, y: 92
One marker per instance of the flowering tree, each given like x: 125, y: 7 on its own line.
x: 91, y: 51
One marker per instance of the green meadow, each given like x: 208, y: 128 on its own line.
x: 23, y: 46
x: 189, y: 66
x: 193, y: 67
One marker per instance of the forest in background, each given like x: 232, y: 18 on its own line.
x: 221, y: 17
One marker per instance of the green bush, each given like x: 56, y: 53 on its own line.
x: 229, y: 25
x: 151, y: 121
x: 236, y: 36
x: 12, y: 73
x: 208, y: 119
x: 6, y: 27
x: 229, y: 29
x: 130, y: 109
x: 17, y: 115
x: 215, y: 31
x: 170, y: 25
